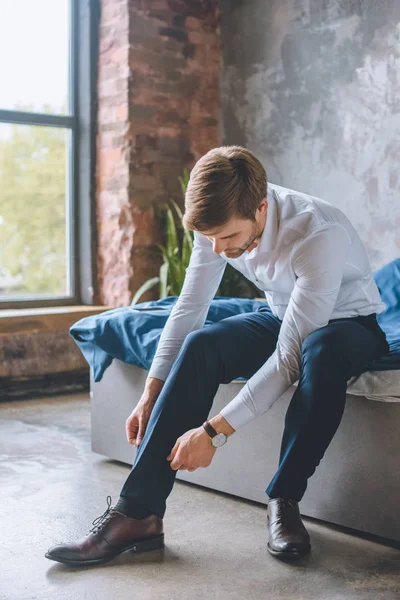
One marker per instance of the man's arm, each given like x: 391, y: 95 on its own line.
x: 202, y: 279
x: 318, y: 263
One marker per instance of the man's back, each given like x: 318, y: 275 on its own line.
x: 303, y: 235
x: 292, y: 217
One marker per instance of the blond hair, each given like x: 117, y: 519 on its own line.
x: 227, y: 182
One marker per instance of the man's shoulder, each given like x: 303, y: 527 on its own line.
x: 308, y: 211
x: 283, y: 194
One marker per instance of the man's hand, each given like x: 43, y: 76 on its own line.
x: 193, y: 449
x: 136, y: 423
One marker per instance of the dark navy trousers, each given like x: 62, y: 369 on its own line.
x: 237, y: 347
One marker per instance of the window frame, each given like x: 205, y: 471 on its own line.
x: 81, y: 149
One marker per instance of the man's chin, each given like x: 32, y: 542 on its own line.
x: 234, y: 254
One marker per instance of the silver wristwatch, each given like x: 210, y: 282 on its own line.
x: 217, y: 439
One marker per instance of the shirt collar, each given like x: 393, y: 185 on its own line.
x: 270, y: 231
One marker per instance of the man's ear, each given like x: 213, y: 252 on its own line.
x: 263, y: 204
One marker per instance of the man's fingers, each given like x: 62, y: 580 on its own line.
x: 175, y: 468
x: 176, y: 462
x: 139, y: 436
x: 132, y: 433
x: 173, y: 450
x: 135, y: 432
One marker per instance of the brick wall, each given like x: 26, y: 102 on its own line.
x: 159, y: 111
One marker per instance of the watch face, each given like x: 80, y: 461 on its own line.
x: 219, y: 440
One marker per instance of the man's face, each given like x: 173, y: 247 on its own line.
x: 238, y: 235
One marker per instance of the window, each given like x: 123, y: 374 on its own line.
x: 42, y: 65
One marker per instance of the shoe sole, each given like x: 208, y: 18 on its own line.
x: 138, y: 547
x: 288, y: 554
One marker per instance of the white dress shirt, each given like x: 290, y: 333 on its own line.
x: 312, y: 266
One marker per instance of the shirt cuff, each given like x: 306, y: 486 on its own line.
x: 159, y: 368
x: 237, y: 413
x: 260, y: 392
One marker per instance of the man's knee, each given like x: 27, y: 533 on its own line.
x: 322, y: 349
x: 203, y: 338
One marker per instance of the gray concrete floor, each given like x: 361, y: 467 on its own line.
x: 53, y: 486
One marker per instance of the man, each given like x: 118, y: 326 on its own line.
x: 319, y: 327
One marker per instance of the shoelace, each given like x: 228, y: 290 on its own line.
x: 99, y: 522
x: 282, y: 505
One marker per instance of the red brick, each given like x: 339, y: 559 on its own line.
x: 193, y: 24
x: 159, y: 111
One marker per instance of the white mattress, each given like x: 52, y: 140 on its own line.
x: 383, y: 386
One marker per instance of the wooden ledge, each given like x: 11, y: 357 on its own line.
x: 49, y: 319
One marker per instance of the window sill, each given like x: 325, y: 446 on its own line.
x: 41, y: 320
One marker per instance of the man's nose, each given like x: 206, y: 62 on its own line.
x: 218, y: 247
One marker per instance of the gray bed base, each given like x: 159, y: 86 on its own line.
x: 356, y: 485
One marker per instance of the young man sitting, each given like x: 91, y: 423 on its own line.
x: 318, y: 327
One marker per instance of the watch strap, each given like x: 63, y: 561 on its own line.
x: 210, y: 429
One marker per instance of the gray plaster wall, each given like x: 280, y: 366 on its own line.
x: 313, y: 88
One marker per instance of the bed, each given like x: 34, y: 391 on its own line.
x: 357, y: 484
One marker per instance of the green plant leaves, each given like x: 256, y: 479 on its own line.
x: 147, y: 285
x: 164, y: 287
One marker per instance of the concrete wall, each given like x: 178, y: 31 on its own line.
x: 313, y: 88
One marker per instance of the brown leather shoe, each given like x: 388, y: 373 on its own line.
x: 288, y: 538
x: 112, y: 534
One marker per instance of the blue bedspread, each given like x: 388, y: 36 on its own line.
x: 132, y: 336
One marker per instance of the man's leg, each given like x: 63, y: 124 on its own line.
x: 330, y: 356
x: 234, y: 347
